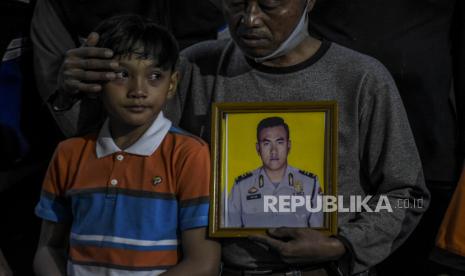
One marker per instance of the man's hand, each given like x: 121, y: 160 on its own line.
x: 84, y: 67
x: 302, y: 245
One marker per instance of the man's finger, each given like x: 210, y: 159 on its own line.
x: 273, y: 243
x: 90, y: 52
x: 283, y: 233
x: 100, y: 64
x: 82, y: 75
x: 75, y: 85
x: 92, y: 39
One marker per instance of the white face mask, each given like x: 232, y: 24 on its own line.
x: 299, y: 33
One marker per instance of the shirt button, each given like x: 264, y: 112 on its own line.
x: 114, y: 182
x: 119, y: 157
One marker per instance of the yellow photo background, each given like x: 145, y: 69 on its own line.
x: 307, y: 135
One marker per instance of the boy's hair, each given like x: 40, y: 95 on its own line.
x: 133, y: 34
x: 271, y: 122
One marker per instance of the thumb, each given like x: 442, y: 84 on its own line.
x: 282, y: 233
x: 92, y: 39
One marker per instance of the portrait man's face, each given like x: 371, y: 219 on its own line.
x: 260, y: 26
x: 273, y: 146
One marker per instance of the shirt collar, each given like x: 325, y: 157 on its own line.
x: 145, y: 146
x: 284, y: 180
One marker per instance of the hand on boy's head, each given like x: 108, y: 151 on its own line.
x: 85, y: 67
x: 302, y: 245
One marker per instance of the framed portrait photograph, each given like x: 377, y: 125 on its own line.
x: 273, y: 165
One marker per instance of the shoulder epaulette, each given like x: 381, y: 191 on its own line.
x: 309, y: 174
x: 243, y: 176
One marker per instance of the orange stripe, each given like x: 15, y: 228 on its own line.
x: 124, y: 257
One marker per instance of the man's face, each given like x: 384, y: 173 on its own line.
x: 260, y: 26
x: 273, y: 147
x: 137, y: 95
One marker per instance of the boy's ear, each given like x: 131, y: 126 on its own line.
x: 174, y: 79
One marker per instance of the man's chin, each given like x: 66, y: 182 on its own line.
x: 254, y: 52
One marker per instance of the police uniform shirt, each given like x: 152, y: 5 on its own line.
x: 246, y: 200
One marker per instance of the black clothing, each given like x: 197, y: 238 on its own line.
x: 190, y: 21
x: 422, y: 44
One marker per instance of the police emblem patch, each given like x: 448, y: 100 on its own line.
x: 253, y: 190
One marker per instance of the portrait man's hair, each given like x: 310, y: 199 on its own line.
x: 272, y: 122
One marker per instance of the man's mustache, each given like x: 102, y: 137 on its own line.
x: 251, y: 33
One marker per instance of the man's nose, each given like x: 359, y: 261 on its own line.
x: 137, y: 88
x: 273, y: 148
x: 252, y: 15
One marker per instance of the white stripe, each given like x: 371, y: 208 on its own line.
x: 24, y: 1
x: 85, y: 270
x: 16, y: 43
x: 99, y: 238
x: 12, y: 54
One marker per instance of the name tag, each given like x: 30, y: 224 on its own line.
x: 257, y: 196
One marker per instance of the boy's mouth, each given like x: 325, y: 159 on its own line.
x: 136, y: 108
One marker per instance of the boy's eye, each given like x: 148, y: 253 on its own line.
x: 154, y: 76
x: 122, y: 75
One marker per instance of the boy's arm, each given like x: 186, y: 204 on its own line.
x: 50, y: 257
x: 201, y: 256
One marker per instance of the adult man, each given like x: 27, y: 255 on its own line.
x: 246, y: 206
x: 273, y: 58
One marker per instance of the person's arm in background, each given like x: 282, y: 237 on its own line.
x: 53, y: 48
x: 4, y: 268
x: 50, y: 257
x: 458, y: 57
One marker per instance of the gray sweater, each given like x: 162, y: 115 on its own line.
x: 377, y: 153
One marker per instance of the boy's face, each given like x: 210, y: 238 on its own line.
x: 137, y: 95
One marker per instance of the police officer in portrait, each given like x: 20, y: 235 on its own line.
x: 246, y: 202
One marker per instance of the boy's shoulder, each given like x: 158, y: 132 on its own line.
x: 186, y: 138
x: 77, y: 144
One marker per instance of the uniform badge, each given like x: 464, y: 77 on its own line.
x: 253, y: 190
x: 298, y: 187
x: 261, y: 182
x: 256, y: 196
x: 291, y: 179
x: 156, y: 180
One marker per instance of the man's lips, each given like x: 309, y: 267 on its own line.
x: 253, y: 40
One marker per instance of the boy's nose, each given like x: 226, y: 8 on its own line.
x: 137, y: 89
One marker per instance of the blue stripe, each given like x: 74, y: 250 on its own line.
x: 125, y: 216
x: 179, y: 131
x: 194, y: 216
x: 123, y: 246
x: 52, y: 210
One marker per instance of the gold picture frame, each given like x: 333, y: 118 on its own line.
x: 238, y: 157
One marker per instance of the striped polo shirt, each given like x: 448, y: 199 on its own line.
x: 127, y: 208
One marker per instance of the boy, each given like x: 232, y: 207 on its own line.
x: 129, y: 196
